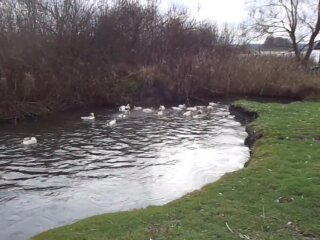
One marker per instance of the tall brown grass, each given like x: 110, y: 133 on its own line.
x: 205, y: 76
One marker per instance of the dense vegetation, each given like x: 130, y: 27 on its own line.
x: 275, y: 197
x: 62, y: 53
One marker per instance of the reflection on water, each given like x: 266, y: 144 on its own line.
x: 79, y: 169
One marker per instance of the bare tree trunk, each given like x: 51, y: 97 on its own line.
x: 295, y: 45
x: 313, y: 37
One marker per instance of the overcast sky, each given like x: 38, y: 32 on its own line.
x: 231, y: 11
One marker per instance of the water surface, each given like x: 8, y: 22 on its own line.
x: 79, y: 169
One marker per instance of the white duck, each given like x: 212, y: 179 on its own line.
x: 187, y: 114
x: 176, y: 109
x: 137, y: 108
x: 128, y: 107
x: 192, y: 108
x: 147, y: 110
x: 212, y: 104
x: 91, y: 117
x: 198, y: 116
x: 162, y: 108
x: 29, y: 141
x: 200, y: 107
x: 112, y: 123
x: 122, y: 108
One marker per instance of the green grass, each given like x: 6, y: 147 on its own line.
x: 276, y: 197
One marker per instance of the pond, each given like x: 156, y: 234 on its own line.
x: 82, y: 168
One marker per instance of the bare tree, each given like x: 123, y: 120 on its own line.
x: 297, y: 19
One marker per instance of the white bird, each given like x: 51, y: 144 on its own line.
x: 29, y: 141
x: 221, y: 113
x: 187, y: 114
x: 191, y: 108
x: 128, y: 107
x: 197, y: 116
x: 182, y: 106
x: 147, y: 110
x: 176, y: 109
x: 112, y: 122
x: 91, y: 117
x: 200, y: 107
x: 160, y: 113
x: 212, y: 104
x: 162, y: 108
x: 137, y: 108
x: 122, y: 108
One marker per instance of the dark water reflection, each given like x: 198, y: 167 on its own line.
x: 79, y: 169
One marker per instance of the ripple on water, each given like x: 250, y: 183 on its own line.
x: 143, y: 160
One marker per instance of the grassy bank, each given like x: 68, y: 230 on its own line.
x: 275, y: 197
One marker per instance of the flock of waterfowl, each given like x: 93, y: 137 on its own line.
x: 194, y: 112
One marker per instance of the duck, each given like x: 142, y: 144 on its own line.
x: 176, y: 109
x: 160, y: 113
x: 147, y: 110
x: 122, y: 108
x: 187, y: 114
x: 221, y: 113
x: 162, y: 108
x: 192, y: 108
x: 137, y: 108
x: 91, y: 117
x: 200, y: 107
x: 127, y: 107
x: 29, y: 141
x: 197, y: 116
x: 112, y: 123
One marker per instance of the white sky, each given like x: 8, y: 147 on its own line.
x: 220, y: 11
